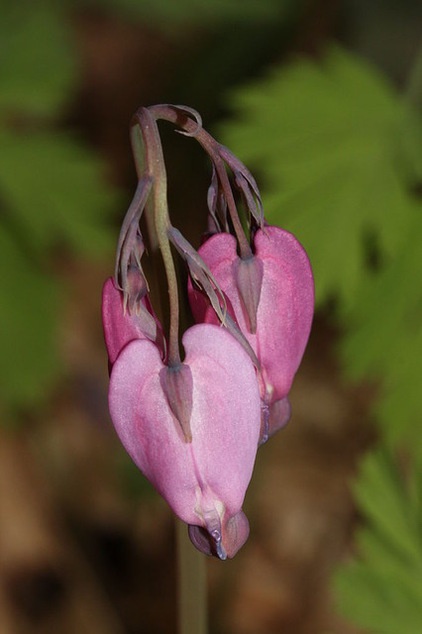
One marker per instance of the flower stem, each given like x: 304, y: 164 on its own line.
x: 149, y: 159
x: 192, y: 587
x: 178, y: 115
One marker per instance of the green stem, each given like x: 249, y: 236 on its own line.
x: 151, y: 161
x: 192, y: 598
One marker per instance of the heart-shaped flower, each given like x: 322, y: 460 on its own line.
x: 270, y: 295
x: 202, y: 472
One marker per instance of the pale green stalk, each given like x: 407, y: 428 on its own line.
x: 192, y: 585
x: 147, y: 150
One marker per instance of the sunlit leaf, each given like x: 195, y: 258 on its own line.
x: 384, y: 339
x: 325, y: 137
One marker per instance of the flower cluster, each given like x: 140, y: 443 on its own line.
x: 192, y: 422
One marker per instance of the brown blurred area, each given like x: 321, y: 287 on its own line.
x: 78, y: 554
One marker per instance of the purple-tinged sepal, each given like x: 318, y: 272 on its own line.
x: 248, y: 278
x: 177, y: 385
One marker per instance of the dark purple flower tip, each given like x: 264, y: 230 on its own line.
x: 274, y: 417
x: 222, y: 542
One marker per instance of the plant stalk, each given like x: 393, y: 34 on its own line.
x: 152, y: 161
x: 192, y: 586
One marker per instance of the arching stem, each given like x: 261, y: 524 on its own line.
x: 192, y: 128
x: 149, y: 160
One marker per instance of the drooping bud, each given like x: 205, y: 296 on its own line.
x: 122, y: 326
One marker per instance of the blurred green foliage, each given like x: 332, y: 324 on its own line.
x: 168, y: 13
x: 37, y: 65
x: 340, y: 155
x: 326, y: 138
x: 52, y: 195
x: 382, y: 591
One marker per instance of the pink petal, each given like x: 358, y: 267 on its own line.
x: 286, y: 309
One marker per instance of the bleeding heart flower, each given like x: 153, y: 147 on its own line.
x: 271, y: 296
x: 121, y: 325
x: 195, y: 435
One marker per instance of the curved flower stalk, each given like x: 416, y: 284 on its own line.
x: 190, y: 422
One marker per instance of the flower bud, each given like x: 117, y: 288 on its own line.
x: 121, y: 326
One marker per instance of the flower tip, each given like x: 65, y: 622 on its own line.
x: 223, y: 544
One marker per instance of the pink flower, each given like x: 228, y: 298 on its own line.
x: 271, y: 297
x: 202, y: 464
x: 122, y: 325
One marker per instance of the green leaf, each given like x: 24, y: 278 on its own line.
x: 382, y: 495
x: 325, y: 139
x: 37, y: 68
x: 51, y: 187
x: 29, y: 361
x: 384, y: 339
x: 52, y: 195
x: 382, y: 590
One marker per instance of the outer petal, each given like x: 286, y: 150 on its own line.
x: 285, y: 308
x: 226, y: 411
x: 209, y: 475
x: 120, y: 327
